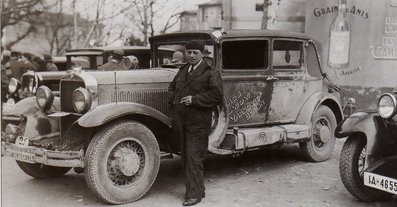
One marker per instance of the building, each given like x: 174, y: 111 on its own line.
x: 247, y: 14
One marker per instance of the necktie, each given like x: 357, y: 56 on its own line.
x: 190, y: 69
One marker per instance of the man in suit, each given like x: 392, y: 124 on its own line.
x: 115, y: 63
x: 194, y: 92
x: 50, y: 65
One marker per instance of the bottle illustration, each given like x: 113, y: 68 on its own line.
x: 339, y: 41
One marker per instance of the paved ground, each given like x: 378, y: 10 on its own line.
x: 276, y: 177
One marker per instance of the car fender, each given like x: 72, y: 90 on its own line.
x: 360, y: 122
x: 311, y: 105
x: 29, y: 106
x: 37, y: 121
x: 108, y: 112
x: 379, y: 138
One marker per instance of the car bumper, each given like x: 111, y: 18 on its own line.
x: 32, y: 154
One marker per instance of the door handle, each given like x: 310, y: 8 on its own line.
x: 271, y: 78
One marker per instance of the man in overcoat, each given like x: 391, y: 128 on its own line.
x: 193, y: 94
x: 116, y: 63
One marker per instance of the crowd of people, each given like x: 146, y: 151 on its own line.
x: 14, y: 64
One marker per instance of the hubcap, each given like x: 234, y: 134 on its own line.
x: 321, y: 133
x: 129, y: 162
x: 126, y: 163
x: 325, y: 134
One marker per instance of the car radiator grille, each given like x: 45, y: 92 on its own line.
x: 155, y: 98
x: 66, y: 91
x: 26, y: 80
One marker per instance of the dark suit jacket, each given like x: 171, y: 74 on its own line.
x: 204, y: 84
x: 111, y: 65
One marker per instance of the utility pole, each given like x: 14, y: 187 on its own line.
x: 265, y: 17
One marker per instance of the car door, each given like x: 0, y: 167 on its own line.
x: 245, y: 70
x: 292, y: 85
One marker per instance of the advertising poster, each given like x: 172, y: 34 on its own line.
x: 359, y: 45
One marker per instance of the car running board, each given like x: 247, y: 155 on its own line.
x: 246, y: 138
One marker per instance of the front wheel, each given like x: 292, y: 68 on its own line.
x: 322, y: 141
x: 351, y: 168
x: 42, y: 171
x: 122, y: 162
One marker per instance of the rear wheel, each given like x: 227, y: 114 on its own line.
x: 351, y: 168
x: 42, y: 171
x: 322, y: 142
x: 122, y: 162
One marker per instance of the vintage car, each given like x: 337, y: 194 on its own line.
x: 116, y: 125
x: 368, y: 162
x: 87, y: 59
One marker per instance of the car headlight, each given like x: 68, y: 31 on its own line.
x: 81, y: 100
x: 387, y: 105
x: 44, y: 97
x: 13, y: 86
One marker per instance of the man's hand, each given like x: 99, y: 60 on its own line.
x: 187, y: 100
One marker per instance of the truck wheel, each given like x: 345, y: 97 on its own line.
x: 322, y: 142
x: 42, y: 171
x: 351, y: 169
x: 122, y: 162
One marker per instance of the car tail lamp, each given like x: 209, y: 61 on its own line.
x: 44, y: 97
x: 387, y: 105
x: 13, y: 86
x: 81, y: 100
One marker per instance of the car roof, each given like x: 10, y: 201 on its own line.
x: 101, y: 50
x: 228, y: 33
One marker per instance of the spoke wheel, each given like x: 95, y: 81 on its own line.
x: 126, y: 162
x: 322, y: 141
x: 122, y: 162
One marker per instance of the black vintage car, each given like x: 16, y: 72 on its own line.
x: 86, y: 59
x: 116, y: 125
x: 368, y: 166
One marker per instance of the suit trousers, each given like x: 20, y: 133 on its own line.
x: 193, y: 138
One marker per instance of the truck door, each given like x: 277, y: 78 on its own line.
x: 292, y: 85
x: 245, y: 70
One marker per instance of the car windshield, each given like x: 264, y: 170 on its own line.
x: 86, y: 62
x: 178, y: 57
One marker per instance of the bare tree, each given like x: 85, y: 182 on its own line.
x: 19, y: 13
x: 146, y: 13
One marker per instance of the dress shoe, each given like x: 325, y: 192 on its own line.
x: 191, y: 201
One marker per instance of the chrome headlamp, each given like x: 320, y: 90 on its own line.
x: 81, y: 100
x: 44, y: 97
x: 387, y: 105
x: 14, y: 85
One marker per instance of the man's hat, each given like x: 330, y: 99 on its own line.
x: 195, y: 45
x: 47, y: 57
x: 118, y: 53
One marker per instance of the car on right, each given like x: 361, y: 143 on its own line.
x: 368, y: 166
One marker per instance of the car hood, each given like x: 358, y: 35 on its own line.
x: 134, y: 76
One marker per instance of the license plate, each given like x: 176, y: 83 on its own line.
x: 380, y: 182
x: 22, y: 141
x: 20, y: 153
x: 22, y: 157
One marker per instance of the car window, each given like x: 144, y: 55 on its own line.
x: 313, y: 65
x: 287, y: 54
x: 86, y: 62
x: 245, y: 54
x: 173, y: 55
